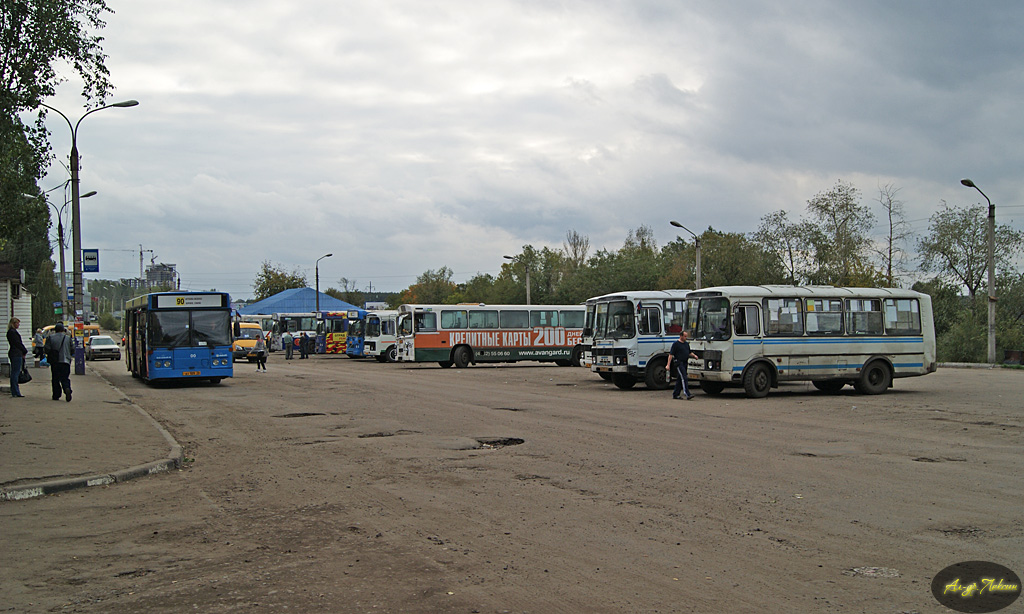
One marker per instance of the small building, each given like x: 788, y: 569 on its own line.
x: 15, y: 302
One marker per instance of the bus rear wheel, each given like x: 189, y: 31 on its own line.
x: 874, y: 378
x: 391, y: 355
x: 623, y: 380
x: 577, y: 357
x: 757, y: 381
x: 461, y: 357
x: 656, y: 375
x: 445, y: 364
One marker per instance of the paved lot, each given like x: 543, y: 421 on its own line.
x: 338, y: 485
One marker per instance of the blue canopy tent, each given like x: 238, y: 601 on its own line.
x: 295, y: 300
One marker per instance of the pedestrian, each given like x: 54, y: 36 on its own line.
x: 59, y: 351
x: 680, y: 352
x: 303, y: 345
x: 261, y: 354
x: 16, y: 353
x: 289, y: 345
x: 37, y: 343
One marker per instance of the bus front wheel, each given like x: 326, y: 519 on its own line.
x: 757, y: 380
x: 713, y: 388
x: 392, y: 354
x: 461, y: 357
x: 830, y: 386
x: 577, y: 357
x: 656, y: 376
x: 445, y: 364
x: 874, y: 379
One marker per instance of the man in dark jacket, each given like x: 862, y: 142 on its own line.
x: 60, y: 350
x: 678, y: 356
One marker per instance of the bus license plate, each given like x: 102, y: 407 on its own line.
x: 184, y: 373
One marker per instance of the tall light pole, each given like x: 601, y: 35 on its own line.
x: 696, y: 241
x: 76, y: 222
x: 991, y: 272
x: 317, y: 267
x: 527, y: 265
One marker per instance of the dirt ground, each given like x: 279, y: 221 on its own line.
x: 337, y: 485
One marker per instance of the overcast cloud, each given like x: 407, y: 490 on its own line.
x: 404, y: 135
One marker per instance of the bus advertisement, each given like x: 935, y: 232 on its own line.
x: 755, y: 337
x: 632, y: 334
x: 332, y: 330
x: 461, y: 335
x: 179, y: 335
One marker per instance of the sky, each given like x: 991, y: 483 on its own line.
x: 404, y: 136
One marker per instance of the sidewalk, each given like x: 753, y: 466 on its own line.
x: 99, y: 438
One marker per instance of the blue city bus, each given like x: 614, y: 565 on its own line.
x: 179, y: 335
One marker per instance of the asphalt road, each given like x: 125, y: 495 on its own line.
x: 336, y: 485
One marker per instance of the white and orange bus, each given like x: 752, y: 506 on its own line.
x: 461, y: 335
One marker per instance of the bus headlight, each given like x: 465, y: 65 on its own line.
x: 167, y: 363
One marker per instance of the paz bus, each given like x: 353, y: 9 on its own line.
x: 632, y: 334
x: 461, y: 335
x: 756, y: 337
x: 179, y: 335
x: 380, y: 338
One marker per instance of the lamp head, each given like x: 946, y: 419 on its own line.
x: 968, y: 183
x: 126, y: 103
x: 508, y: 257
x: 676, y: 224
x: 88, y: 194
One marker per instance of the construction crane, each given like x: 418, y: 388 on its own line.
x: 142, y: 274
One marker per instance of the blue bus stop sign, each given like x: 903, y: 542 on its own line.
x: 90, y: 261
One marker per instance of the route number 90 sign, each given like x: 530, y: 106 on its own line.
x: 188, y: 300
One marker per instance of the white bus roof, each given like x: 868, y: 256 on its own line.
x: 803, y: 291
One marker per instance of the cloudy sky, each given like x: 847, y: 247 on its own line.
x: 404, y: 135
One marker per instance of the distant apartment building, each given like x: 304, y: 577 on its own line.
x: 165, y: 275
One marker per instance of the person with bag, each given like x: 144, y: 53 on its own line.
x: 261, y: 354
x: 16, y: 353
x: 59, y: 348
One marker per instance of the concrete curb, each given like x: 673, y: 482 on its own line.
x: 172, y: 461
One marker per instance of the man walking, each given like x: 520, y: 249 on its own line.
x: 289, y: 344
x: 59, y: 349
x: 680, y: 353
x: 303, y: 345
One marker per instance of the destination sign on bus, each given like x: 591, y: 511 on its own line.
x: 166, y: 301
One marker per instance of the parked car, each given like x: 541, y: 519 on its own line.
x: 245, y: 342
x: 101, y: 346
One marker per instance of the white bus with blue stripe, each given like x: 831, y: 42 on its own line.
x: 632, y: 333
x: 755, y: 337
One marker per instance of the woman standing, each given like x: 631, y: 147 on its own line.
x: 261, y: 354
x: 16, y: 353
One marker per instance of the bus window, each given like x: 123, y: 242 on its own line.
x: 902, y: 317
x: 455, y: 318
x: 543, y: 318
x: 514, y: 318
x: 784, y: 316
x: 483, y: 319
x: 620, y: 320
x: 650, y: 321
x: 426, y: 321
x: 746, y: 321
x: 211, y: 328
x: 824, y: 316
x: 600, y: 320
x: 712, y: 319
x: 863, y: 316
x: 168, y: 328
x: 675, y: 316
x: 571, y: 319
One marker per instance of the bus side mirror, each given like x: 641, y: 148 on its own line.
x: 238, y: 329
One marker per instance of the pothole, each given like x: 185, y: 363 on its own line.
x: 508, y: 409
x: 499, y: 442
x: 303, y: 414
x: 379, y: 434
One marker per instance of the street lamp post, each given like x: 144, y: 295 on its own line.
x: 76, y: 222
x: 696, y: 241
x: 991, y: 272
x: 317, y: 267
x: 527, y: 265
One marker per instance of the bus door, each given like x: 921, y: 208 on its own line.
x: 748, y: 341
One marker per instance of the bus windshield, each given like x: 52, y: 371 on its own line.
x: 356, y: 328
x: 189, y: 328
x: 619, y: 323
x: 712, y: 319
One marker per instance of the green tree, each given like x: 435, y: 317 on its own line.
x: 348, y: 292
x: 840, y: 233
x: 956, y: 246
x: 432, y: 287
x: 274, y: 279
x: 789, y: 242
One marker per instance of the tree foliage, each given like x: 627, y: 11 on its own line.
x: 348, y: 292
x: 956, y: 246
x: 274, y: 279
x: 839, y: 229
x: 432, y: 287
